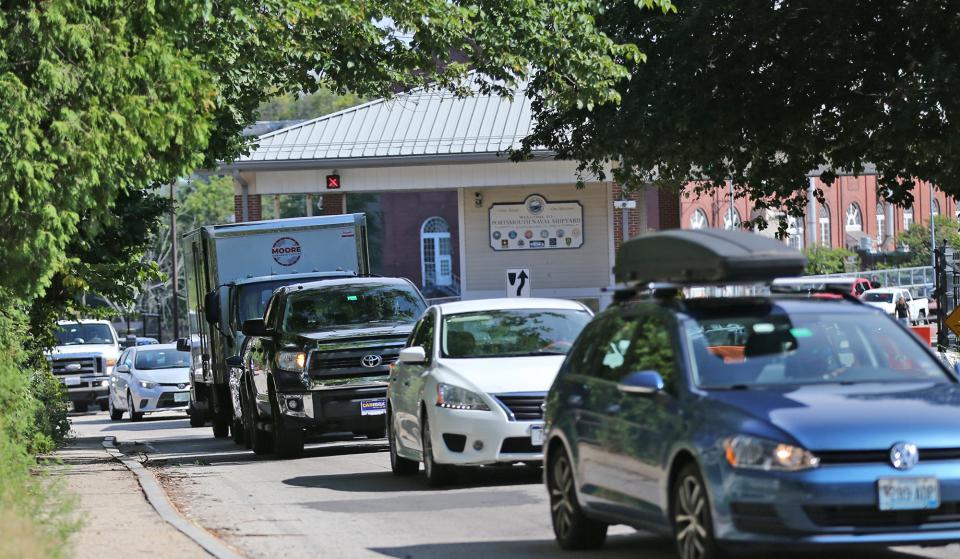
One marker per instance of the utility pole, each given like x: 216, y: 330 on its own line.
x: 173, y: 240
x: 933, y: 233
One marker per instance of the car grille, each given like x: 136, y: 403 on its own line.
x: 882, y: 456
x: 166, y: 401
x: 872, y: 517
x: 351, y: 361
x: 519, y: 445
x: 761, y: 518
x: 68, y: 366
x: 523, y: 407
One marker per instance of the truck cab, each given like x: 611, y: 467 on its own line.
x: 83, y: 359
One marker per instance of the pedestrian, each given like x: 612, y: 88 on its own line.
x: 903, y: 313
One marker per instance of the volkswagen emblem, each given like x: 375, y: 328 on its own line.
x: 904, y: 456
x: 371, y: 361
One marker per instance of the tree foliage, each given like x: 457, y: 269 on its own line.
x: 763, y: 92
x: 293, y: 106
x: 917, y: 239
x: 825, y: 260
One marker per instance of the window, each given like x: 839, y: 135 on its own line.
x: 699, y: 220
x: 907, y: 217
x: 854, y: 218
x: 795, y: 232
x: 84, y: 334
x: 881, y: 217
x: 436, y: 253
x: 637, y: 343
x: 824, y: 222
x: 731, y: 218
x: 935, y: 208
x: 423, y: 335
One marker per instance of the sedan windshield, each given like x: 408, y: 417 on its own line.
x: 768, y: 348
x: 351, y: 305
x: 877, y: 297
x: 149, y: 359
x: 84, y: 334
x: 511, y: 333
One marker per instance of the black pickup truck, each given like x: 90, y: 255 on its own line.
x: 319, y: 359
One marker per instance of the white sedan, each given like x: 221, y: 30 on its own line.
x: 149, y: 378
x: 470, y: 387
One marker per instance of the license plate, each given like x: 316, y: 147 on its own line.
x: 536, y: 435
x: 909, y: 493
x: 377, y: 406
x: 181, y: 397
x: 71, y: 381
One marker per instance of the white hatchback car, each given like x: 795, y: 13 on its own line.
x: 149, y: 378
x: 470, y: 387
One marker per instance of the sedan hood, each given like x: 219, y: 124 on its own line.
x: 498, y: 375
x: 165, y: 376
x: 870, y: 416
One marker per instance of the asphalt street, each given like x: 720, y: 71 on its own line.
x: 340, y: 500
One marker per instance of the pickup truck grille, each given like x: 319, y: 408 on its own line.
x: 69, y: 366
x: 323, y: 363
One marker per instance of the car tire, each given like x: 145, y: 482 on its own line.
x: 249, y: 420
x: 80, y: 407
x: 197, y: 418
x: 236, y: 430
x: 104, y: 405
x: 438, y: 475
x: 221, y: 428
x: 134, y: 415
x: 572, y: 528
x: 115, y: 414
x: 691, y: 518
x: 399, y: 465
x: 287, y: 440
x: 377, y: 434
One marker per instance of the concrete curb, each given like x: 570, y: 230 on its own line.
x: 157, y: 498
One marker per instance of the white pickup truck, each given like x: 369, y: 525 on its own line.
x: 886, y: 298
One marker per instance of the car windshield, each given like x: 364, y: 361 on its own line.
x: 148, y: 359
x: 351, y: 306
x: 84, y: 334
x: 511, y: 333
x: 878, y: 297
x: 769, y: 347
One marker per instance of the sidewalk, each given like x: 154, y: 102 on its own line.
x: 118, y: 522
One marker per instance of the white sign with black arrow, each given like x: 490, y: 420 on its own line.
x: 518, y: 282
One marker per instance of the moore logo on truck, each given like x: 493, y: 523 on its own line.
x: 286, y: 251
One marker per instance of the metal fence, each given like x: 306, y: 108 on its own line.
x: 918, y: 280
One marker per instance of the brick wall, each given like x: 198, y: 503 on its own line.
x: 669, y: 205
x: 333, y: 204
x: 255, y: 211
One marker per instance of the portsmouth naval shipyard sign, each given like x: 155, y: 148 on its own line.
x: 536, y: 224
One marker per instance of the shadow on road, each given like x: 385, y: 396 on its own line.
x: 387, y: 482
x: 210, y: 451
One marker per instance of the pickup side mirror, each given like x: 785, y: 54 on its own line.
x: 255, y: 327
x: 183, y: 344
x: 641, y: 382
x: 123, y: 368
x: 235, y: 361
x: 413, y: 355
x: 211, y: 307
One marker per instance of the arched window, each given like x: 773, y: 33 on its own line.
x: 795, y: 232
x: 935, y: 209
x: 907, y: 217
x: 731, y: 218
x: 881, y: 218
x: 436, y: 253
x: 854, y: 218
x: 823, y: 218
x: 699, y: 220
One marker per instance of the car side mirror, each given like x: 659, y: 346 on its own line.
x: 255, y: 327
x: 641, y: 382
x: 413, y: 355
x: 123, y: 368
x: 183, y: 344
x: 211, y: 307
x: 235, y: 361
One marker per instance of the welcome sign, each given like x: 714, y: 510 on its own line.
x: 536, y: 224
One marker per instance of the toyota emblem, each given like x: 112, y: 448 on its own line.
x: 904, y: 456
x: 371, y: 361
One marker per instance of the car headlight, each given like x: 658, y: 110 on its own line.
x: 292, y: 361
x: 147, y: 384
x: 744, y: 451
x: 456, y: 398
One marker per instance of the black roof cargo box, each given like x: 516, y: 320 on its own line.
x: 706, y: 256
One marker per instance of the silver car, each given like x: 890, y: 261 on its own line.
x: 149, y: 378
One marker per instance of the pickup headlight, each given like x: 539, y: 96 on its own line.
x: 744, y: 451
x: 294, y: 361
x: 456, y: 398
x: 111, y: 362
x: 147, y: 384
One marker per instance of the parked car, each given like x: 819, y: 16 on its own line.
x: 318, y: 361
x: 150, y: 378
x: 83, y: 359
x: 886, y: 299
x: 821, y: 286
x: 826, y: 425
x: 470, y: 385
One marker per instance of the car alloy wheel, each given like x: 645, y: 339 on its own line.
x: 134, y: 415
x: 692, y: 524
x: 571, y: 527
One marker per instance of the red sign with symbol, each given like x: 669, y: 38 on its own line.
x: 333, y: 182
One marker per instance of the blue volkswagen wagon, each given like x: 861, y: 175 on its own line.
x: 755, y: 422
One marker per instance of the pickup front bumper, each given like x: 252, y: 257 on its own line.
x: 87, y: 389
x: 354, y: 409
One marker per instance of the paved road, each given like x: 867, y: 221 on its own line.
x: 341, y: 500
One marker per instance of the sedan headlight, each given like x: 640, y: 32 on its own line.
x: 456, y: 398
x: 293, y: 361
x: 147, y: 384
x: 744, y: 451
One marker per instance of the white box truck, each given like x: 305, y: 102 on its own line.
x: 231, y: 271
